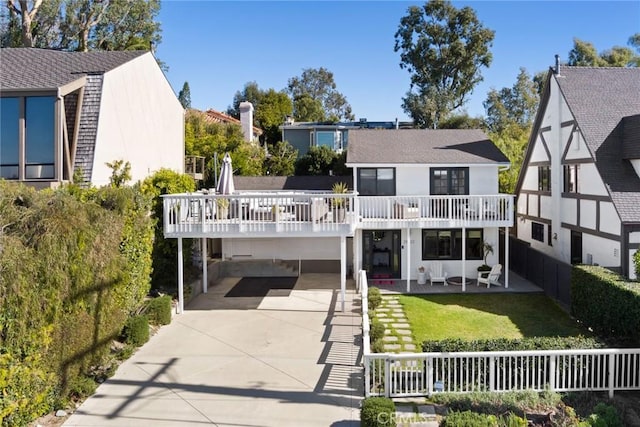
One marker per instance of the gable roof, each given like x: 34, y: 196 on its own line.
x: 33, y: 68
x: 599, y: 99
x: 422, y: 146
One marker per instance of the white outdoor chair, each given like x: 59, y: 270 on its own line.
x: 492, y: 277
x: 436, y: 273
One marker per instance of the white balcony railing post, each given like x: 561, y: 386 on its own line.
x: 387, y: 377
x: 611, y: 376
x: 492, y: 373
x: 552, y: 372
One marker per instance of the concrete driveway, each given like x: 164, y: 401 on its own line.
x: 289, y: 358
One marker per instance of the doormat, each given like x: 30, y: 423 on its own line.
x: 260, y: 287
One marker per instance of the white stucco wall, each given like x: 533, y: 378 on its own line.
x: 141, y: 121
x: 604, y: 252
x: 316, y: 248
x: 454, y: 267
x: 416, y: 180
x: 589, y: 181
x: 609, y: 219
x: 587, y: 214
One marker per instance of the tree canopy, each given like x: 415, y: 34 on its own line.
x: 81, y: 25
x: 585, y: 54
x: 270, y: 109
x: 515, y: 105
x: 444, y: 49
x: 315, y: 97
x: 184, y: 96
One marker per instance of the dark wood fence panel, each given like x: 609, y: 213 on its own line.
x: 553, y: 276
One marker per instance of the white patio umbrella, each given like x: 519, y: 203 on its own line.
x: 225, y: 185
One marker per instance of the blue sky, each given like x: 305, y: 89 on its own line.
x: 218, y: 46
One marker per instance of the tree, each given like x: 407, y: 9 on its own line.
x: 584, y: 54
x: 81, y: 25
x: 315, y: 96
x: 270, y: 109
x: 461, y: 121
x: 634, y: 42
x: 250, y: 93
x: 185, y: 96
x: 512, y: 141
x: 318, y: 161
x: 444, y: 49
x: 515, y: 105
x: 281, y: 160
x: 211, y: 139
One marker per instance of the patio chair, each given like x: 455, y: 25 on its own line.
x: 492, y: 277
x: 436, y: 273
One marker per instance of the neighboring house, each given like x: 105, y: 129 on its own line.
x: 578, y: 193
x: 304, y: 135
x: 71, y: 112
x: 422, y: 196
x: 251, y: 133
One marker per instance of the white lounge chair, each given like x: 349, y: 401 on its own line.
x: 492, y: 277
x: 436, y: 273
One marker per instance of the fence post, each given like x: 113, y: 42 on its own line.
x: 552, y: 372
x: 429, y: 375
x: 492, y: 373
x: 367, y: 376
x: 611, y: 376
x: 387, y: 377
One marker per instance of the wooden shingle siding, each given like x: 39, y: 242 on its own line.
x: 89, y: 116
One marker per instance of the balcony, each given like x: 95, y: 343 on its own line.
x: 303, y: 214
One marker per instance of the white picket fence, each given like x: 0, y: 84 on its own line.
x: 422, y: 374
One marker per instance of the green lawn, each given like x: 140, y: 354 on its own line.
x: 469, y: 317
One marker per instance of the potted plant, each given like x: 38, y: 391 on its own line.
x: 222, y: 208
x: 487, y: 248
x: 338, y: 203
x: 422, y: 275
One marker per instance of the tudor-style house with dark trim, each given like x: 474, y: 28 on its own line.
x: 578, y: 193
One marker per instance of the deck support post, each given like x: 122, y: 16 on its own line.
x: 205, y: 282
x: 180, y: 277
x: 506, y: 257
x: 343, y: 270
x: 408, y: 260
x: 464, y: 259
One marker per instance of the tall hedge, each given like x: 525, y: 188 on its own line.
x: 165, y: 251
x: 605, y: 302
x: 74, y: 264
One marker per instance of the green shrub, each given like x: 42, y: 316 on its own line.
x: 376, y: 331
x: 469, y: 419
x: 512, y: 420
x: 605, y: 302
x: 377, y: 346
x: 136, y: 330
x: 158, y: 310
x: 82, y: 387
x: 378, y: 412
x: 603, y: 416
x: 375, y: 298
x: 515, y: 402
x: 506, y: 344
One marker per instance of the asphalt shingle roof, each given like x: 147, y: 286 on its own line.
x: 319, y: 182
x: 599, y: 99
x: 422, y: 146
x: 32, y: 68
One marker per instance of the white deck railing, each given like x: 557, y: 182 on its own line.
x: 197, y: 215
x: 480, y: 208
x: 422, y: 374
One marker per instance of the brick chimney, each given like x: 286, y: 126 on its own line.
x: 246, y: 120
